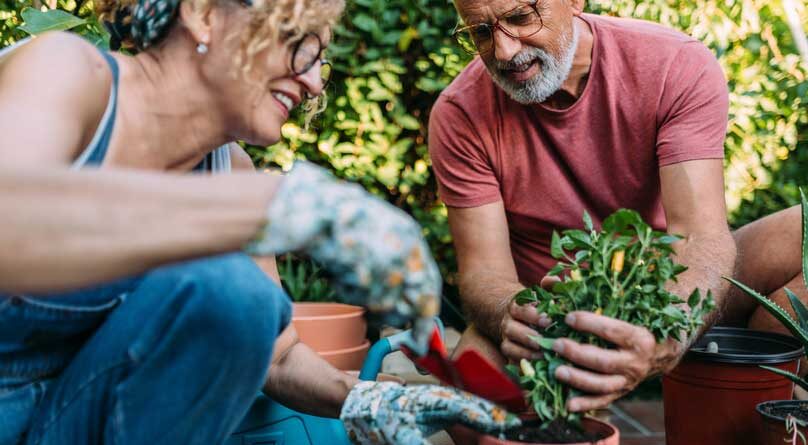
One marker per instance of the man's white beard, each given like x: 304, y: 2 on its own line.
x: 552, y: 75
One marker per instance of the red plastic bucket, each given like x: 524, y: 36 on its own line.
x: 710, y: 398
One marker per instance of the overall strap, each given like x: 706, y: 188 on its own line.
x: 97, y: 149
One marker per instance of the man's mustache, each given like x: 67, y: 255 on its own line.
x: 521, y: 59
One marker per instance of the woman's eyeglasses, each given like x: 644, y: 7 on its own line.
x: 306, y: 54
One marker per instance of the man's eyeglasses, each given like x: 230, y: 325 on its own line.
x: 520, y: 22
x: 306, y: 54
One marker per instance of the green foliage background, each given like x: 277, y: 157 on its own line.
x: 393, y: 57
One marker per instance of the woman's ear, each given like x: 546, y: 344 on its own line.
x: 197, y: 20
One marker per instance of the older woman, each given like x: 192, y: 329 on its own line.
x: 177, y: 353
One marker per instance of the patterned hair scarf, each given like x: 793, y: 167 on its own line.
x: 146, y: 22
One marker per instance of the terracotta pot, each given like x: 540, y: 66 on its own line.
x: 348, y: 358
x: 710, y: 397
x: 774, y: 426
x: 330, y: 327
x: 466, y: 436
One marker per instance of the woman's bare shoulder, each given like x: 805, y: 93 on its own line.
x: 56, y: 55
x: 60, y: 81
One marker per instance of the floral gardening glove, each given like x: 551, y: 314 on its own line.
x: 373, y: 251
x: 389, y: 413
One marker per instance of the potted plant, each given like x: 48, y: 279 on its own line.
x: 621, y: 272
x: 783, y: 419
x: 336, y: 331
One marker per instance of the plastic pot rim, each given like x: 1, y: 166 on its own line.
x: 759, y: 407
x: 752, y: 358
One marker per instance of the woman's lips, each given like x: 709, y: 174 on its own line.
x: 282, y: 107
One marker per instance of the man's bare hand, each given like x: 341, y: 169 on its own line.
x: 608, y: 374
x: 519, y: 324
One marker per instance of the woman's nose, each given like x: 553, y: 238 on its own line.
x: 312, y: 80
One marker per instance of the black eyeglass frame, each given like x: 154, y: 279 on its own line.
x: 496, y: 25
x: 309, y: 64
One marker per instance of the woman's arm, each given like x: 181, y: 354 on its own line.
x: 62, y: 229
x: 303, y: 381
x: 240, y: 161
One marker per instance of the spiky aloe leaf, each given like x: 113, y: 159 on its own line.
x: 778, y: 312
x: 804, y: 237
x: 799, y: 309
x: 791, y: 376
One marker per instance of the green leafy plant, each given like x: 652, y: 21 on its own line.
x: 799, y: 327
x: 620, y: 272
x: 304, y: 280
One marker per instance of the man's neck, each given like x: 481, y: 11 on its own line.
x: 573, y: 87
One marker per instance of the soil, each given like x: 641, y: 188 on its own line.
x: 558, y: 431
x: 800, y: 411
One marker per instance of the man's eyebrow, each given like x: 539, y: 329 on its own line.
x: 478, y: 18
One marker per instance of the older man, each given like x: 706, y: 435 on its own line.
x: 564, y: 112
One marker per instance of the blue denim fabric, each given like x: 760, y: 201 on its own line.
x: 176, y: 355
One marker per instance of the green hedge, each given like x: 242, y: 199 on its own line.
x: 393, y: 57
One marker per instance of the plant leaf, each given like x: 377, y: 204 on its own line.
x: 525, y: 296
x: 694, y: 299
x: 775, y: 310
x: 588, y: 222
x: 555, y: 246
x: 793, y: 377
x: 669, y: 239
x: 799, y: 309
x: 620, y: 220
x: 544, y: 342
x: 804, y: 204
x: 37, y: 22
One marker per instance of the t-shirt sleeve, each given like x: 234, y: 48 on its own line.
x: 461, y: 165
x: 693, y: 111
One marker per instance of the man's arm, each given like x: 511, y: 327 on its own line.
x: 64, y: 229
x: 488, y: 279
x: 693, y: 197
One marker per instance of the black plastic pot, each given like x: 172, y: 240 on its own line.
x: 710, y: 398
x: 774, y: 426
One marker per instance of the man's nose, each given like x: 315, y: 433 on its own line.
x: 505, y: 46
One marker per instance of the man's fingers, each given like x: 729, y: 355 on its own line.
x: 621, y: 333
x: 548, y: 282
x: 591, y: 382
x: 520, y: 334
x: 605, y: 361
x: 588, y: 403
x: 516, y: 352
x: 526, y: 314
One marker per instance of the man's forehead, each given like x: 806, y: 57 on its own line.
x: 478, y: 11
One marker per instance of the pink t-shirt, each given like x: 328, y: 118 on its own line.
x: 654, y: 97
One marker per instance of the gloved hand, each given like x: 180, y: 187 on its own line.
x: 373, y: 251
x: 389, y: 413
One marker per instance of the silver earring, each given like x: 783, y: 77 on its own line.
x: 201, y: 48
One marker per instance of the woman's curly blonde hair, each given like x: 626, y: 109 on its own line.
x: 271, y: 21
